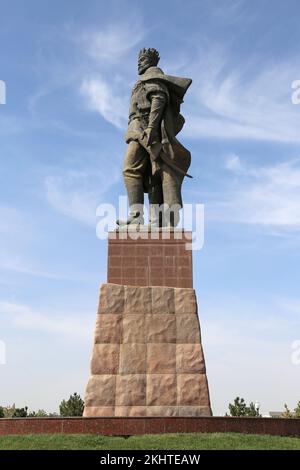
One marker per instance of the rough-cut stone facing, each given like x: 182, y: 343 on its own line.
x: 161, y: 390
x: 161, y: 358
x: 134, y: 328
x: 162, y: 411
x: 131, y: 390
x: 147, y: 358
x: 163, y: 300
x: 131, y: 411
x: 133, y: 358
x: 101, y: 391
x: 195, y: 411
x: 161, y: 328
x: 112, y: 299
x: 192, y: 389
x: 187, y: 329
x: 108, y: 329
x: 90, y: 411
x: 189, y: 359
x: 185, y: 301
x: 138, y: 300
x: 105, y: 359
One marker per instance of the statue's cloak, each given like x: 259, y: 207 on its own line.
x: 170, y: 150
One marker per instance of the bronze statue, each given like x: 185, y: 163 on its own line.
x: 155, y: 162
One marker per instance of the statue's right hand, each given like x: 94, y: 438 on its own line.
x: 150, y: 136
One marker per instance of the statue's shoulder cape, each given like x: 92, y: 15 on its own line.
x: 177, y: 85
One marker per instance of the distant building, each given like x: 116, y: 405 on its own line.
x: 279, y: 414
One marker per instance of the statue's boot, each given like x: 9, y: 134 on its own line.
x: 160, y: 216
x: 171, y: 186
x: 156, y: 209
x: 172, y: 215
x: 174, y: 218
x: 156, y: 216
x: 135, y: 193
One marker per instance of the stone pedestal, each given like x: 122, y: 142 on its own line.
x: 147, y: 357
x: 160, y: 258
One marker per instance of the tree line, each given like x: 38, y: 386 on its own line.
x: 72, y: 407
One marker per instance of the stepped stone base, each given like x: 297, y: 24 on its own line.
x: 147, y: 358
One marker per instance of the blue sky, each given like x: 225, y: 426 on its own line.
x: 69, y: 68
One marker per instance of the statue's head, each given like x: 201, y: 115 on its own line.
x: 147, y: 58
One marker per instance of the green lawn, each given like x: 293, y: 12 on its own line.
x: 149, y: 442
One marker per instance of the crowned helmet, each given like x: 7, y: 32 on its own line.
x: 152, y: 53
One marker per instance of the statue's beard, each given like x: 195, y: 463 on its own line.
x: 142, y: 69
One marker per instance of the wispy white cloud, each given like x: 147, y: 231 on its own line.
x: 65, y: 324
x: 228, y: 100
x: 99, y: 59
x: 70, y: 201
x: 231, y: 11
x: 266, y: 196
x: 291, y: 306
x: 113, y: 41
x: 77, y: 194
x: 233, y: 162
x: 244, y: 100
x: 20, y: 267
x: 102, y: 98
x: 107, y: 88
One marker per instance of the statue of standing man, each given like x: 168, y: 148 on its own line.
x: 156, y: 162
